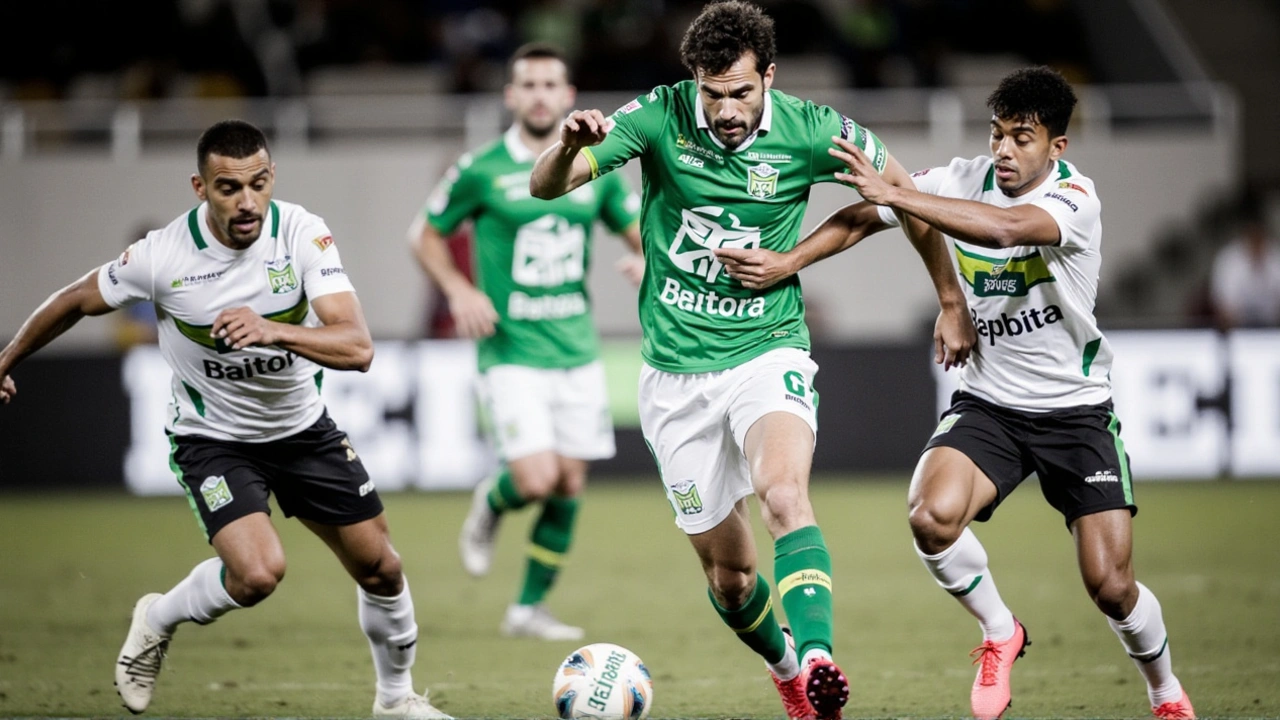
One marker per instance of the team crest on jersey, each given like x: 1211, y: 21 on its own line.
x: 215, y: 491
x: 281, y: 277
x: 762, y: 181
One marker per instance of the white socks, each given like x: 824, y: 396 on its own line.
x: 1145, y: 639
x: 788, y: 667
x: 199, y: 598
x: 393, y: 636
x: 962, y: 571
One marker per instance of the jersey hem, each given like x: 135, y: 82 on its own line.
x: 215, y: 434
x: 723, y: 364
x: 1066, y: 402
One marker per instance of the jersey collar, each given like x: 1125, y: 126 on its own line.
x: 198, y: 225
x: 766, y: 121
x: 516, y: 147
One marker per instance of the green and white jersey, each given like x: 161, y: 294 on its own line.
x: 699, y: 196
x: 532, y: 255
x: 1039, y: 343
x: 257, y: 394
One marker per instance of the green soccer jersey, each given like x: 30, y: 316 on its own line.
x: 531, y: 255
x: 699, y: 196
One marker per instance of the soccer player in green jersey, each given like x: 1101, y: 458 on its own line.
x: 1026, y: 229
x: 727, y: 398
x: 541, y: 376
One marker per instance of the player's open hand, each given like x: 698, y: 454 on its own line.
x: 954, y: 337
x: 631, y: 266
x: 241, y: 327
x: 755, y: 268
x: 584, y: 128
x: 862, y: 174
x: 473, y: 313
x: 7, y: 390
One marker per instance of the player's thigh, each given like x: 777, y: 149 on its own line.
x: 684, y: 418
x: 317, y: 475
x: 518, y: 400
x: 583, y: 424
x: 224, y: 481
x: 251, y: 550
x: 1082, y: 463
x: 777, y: 383
x: 975, y: 458
x: 1104, y: 549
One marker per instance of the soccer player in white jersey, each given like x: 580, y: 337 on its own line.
x: 253, y: 305
x: 538, y: 351
x: 1036, y: 396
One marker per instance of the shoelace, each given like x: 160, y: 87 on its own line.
x: 1172, y: 711
x: 989, y: 655
x: 145, y: 666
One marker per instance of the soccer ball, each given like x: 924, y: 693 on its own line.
x: 604, y: 681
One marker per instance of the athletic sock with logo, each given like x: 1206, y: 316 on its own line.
x: 548, y: 542
x: 1145, y: 639
x: 393, y: 638
x: 757, y: 626
x: 201, y: 598
x: 802, y: 567
x: 504, y: 496
x: 962, y: 571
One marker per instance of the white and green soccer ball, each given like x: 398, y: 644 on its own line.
x: 602, y: 681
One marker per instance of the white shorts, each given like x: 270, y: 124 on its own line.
x: 696, y: 425
x: 533, y: 410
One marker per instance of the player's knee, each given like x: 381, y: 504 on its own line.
x: 1114, y: 592
x: 786, y: 504
x: 536, y: 486
x: 934, y: 529
x: 731, y: 587
x: 383, y: 575
x: 255, y: 584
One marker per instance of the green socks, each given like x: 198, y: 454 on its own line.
x: 802, y: 567
x: 755, y: 623
x: 503, y: 496
x: 548, y: 543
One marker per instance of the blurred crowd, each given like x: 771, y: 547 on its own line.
x: 213, y: 48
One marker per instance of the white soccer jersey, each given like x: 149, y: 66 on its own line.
x: 1039, y: 343
x: 257, y: 394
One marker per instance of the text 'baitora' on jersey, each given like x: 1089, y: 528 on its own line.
x: 699, y: 196
x: 256, y: 394
x: 1039, y: 346
x: 532, y: 255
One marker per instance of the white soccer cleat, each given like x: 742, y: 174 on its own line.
x: 475, y: 543
x: 536, y: 621
x: 412, y: 706
x: 139, y: 661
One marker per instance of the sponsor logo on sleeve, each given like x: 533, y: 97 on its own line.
x: 846, y: 129
x: 330, y: 271
x: 1067, y: 185
x: 921, y: 173
x: 1064, y: 200
x: 629, y: 108
x: 324, y: 243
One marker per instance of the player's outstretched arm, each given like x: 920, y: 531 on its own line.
x: 473, y: 312
x: 758, y: 268
x: 973, y: 222
x: 562, y: 167
x: 55, y: 316
x: 953, y: 333
x: 341, y: 343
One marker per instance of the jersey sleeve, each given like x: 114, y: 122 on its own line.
x: 322, y: 271
x: 1075, y: 208
x: 457, y: 197
x: 620, y: 207
x: 636, y: 126
x: 929, y: 181
x: 130, y: 278
x: 826, y: 124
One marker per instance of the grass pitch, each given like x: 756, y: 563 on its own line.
x: 73, y: 566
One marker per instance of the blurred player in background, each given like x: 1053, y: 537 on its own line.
x: 253, y: 303
x: 541, y: 377
x: 727, y: 398
x: 1036, y: 397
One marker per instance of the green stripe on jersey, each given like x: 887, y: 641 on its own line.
x: 1122, y: 457
x: 1090, y: 352
x: 1064, y: 171
x: 990, y: 183
x: 193, y: 222
x: 199, y: 334
x: 196, y: 398
x: 990, y: 276
x: 275, y: 219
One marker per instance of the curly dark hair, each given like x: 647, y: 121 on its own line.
x: 723, y: 32
x: 229, y: 138
x: 1038, y: 94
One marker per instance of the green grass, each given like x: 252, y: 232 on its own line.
x: 73, y: 566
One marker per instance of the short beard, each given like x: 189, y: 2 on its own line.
x: 540, y: 133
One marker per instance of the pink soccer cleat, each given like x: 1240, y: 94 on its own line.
x: 1180, y: 710
x: 991, y: 694
x: 826, y: 688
